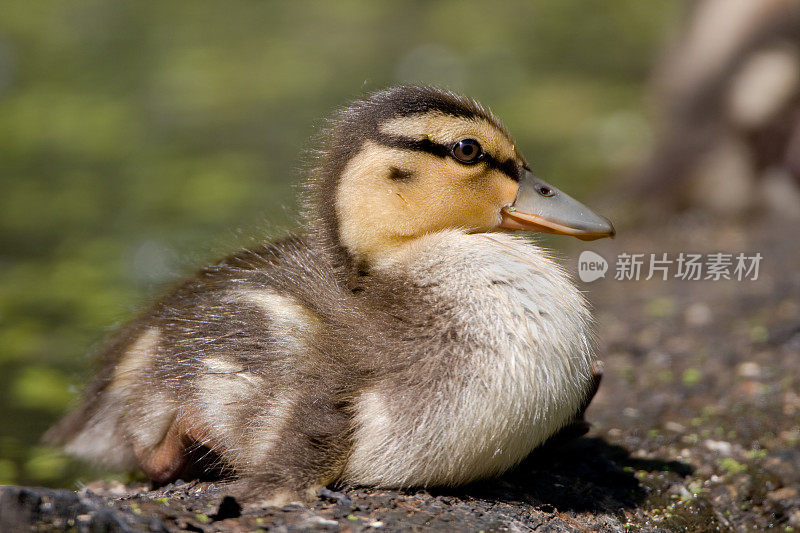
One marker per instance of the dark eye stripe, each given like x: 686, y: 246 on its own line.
x: 509, y: 167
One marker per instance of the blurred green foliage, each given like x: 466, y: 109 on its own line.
x: 141, y: 139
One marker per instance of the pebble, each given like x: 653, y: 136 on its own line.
x: 674, y: 426
x: 719, y: 446
x: 782, y: 494
x: 321, y: 522
x: 749, y: 369
x: 698, y: 314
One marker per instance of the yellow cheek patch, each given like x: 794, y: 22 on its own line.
x: 376, y: 213
x: 500, y: 190
x: 370, y: 213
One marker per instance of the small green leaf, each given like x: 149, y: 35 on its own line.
x: 731, y: 465
x: 691, y: 376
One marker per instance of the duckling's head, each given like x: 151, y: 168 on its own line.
x: 409, y: 161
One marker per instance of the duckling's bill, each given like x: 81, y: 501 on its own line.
x: 543, y: 208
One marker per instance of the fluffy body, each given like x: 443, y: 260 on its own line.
x: 456, y: 378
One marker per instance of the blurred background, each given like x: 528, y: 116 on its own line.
x: 139, y: 140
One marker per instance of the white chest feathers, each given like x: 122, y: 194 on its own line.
x: 517, y: 373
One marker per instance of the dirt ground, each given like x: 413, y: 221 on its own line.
x: 696, y: 425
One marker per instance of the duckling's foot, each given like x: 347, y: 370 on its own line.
x: 183, y: 452
x: 163, y: 462
x: 597, y: 377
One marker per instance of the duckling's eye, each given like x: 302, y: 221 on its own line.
x: 467, y: 151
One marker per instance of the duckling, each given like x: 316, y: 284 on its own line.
x: 405, y: 338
